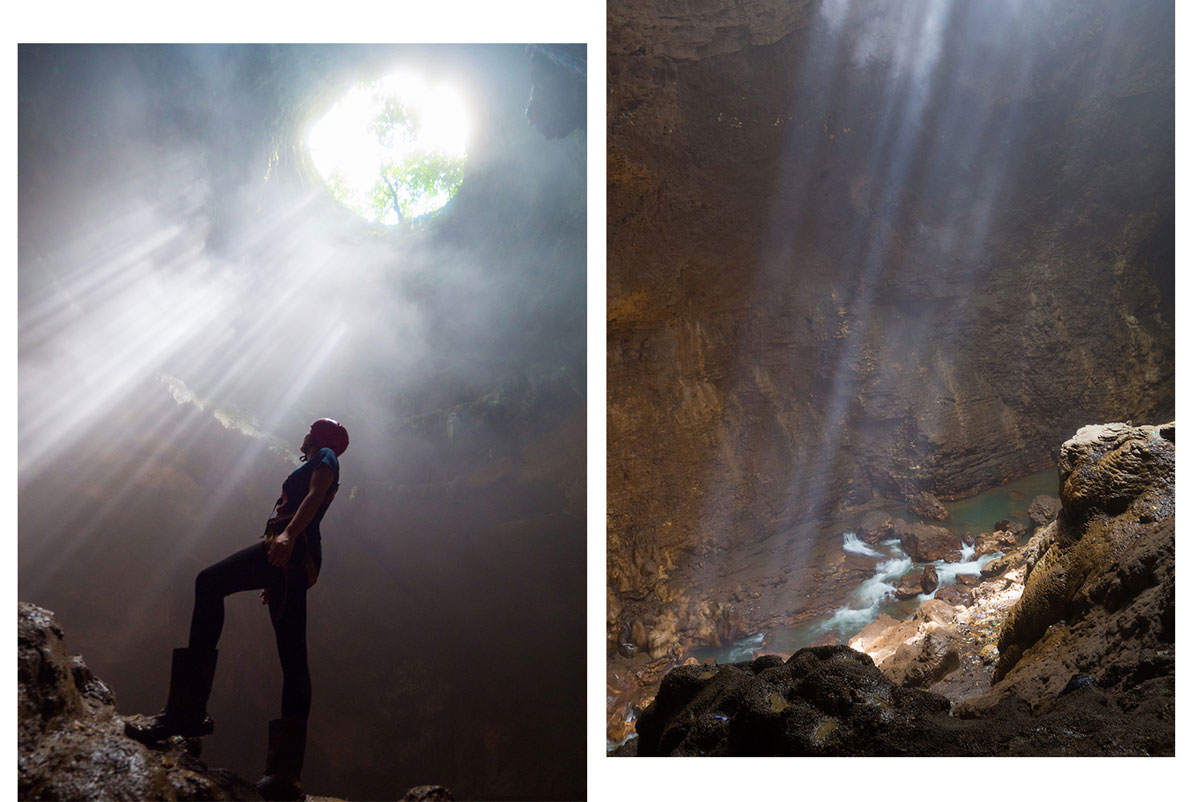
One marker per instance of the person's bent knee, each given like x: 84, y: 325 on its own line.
x: 208, y: 582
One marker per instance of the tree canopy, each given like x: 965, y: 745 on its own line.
x: 413, y: 178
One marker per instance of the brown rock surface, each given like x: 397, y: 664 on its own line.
x: 71, y: 742
x: 792, y: 329
x: 1102, y: 588
x: 1043, y: 510
x: 914, y: 653
x: 766, y: 279
x: 995, y: 542
x: 925, y: 543
x: 926, y: 506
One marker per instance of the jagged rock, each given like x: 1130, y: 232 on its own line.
x: 967, y: 580
x: 638, y: 634
x: 874, y: 526
x: 926, y: 506
x: 908, y: 586
x: 929, y: 579
x: 920, y: 664
x: 916, y: 652
x: 1105, y: 568
x: 71, y: 742
x: 428, y: 793
x: 1043, y: 510
x: 1002, y: 540
x: 925, y: 543
x: 663, y: 640
x: 1111, y: 467
x: 953, y: 594
x: 1002, y: 565
x: 833, y: 701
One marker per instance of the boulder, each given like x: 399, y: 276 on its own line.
x: 880, y: 640
x: 1000, y: 541
x: 638, y: 633
x: 833, y: 701
x: 953, y: 595
x: 1105, y: 469
x: 925, y: 543
x: 917, y: 652
x: 921, y: 663
x: 1043, y: 510
x: 908, y: 586
x: 428, y: 793
x: 929, y: 579
x: 926, y: 506
x: 1002, y: 565
x: 872, y: 631
x: 663, y: 640
x: 968, y: 580
x: 71, y: 741
x: 874, y: 526
x: 1104, y: 567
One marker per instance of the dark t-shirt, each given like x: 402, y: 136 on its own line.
x: 295, y: 488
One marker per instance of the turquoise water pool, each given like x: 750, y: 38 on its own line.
x: 972, y: 516
x: 978, y: 513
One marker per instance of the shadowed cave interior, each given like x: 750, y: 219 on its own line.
x: 191, y: 297
x: 864, y: 258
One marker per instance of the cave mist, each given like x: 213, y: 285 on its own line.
x: 191, y: 298
x: 859, y: 250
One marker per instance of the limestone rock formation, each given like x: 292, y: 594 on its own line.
x: 908, y: 586
x: 925, y: 543
x: 915, y: 653
x: 1083, y: 662
x: 794, y: 322
x: 874, y: 526
x: 833, y: 701
x: 71, y: 742
x: 1043, y: 510
x: 1102, y: 584
x: 1001, y: 540
x: 926, y: 506
x: 428, y: 793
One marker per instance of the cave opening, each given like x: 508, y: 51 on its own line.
x: 394, y: 148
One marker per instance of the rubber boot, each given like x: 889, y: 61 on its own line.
x: 285, y: 758
x: 192, y: 674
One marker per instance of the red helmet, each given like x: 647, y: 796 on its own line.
x: 328, y: 433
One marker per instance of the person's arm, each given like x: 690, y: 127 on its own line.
x: 318, y: 487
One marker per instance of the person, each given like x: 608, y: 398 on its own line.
x: 283, y: 567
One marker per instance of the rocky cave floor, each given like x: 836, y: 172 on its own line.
x: 972, y: 622
x: 996, y: 662
x: 72, y: 744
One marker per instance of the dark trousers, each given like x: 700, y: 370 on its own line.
x: 249, y: 569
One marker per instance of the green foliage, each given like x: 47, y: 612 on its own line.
x: 414, y: 181
x: 415, y: 186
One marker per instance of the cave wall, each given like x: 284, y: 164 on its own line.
x: 858, y: 249
x: 161, y: 186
